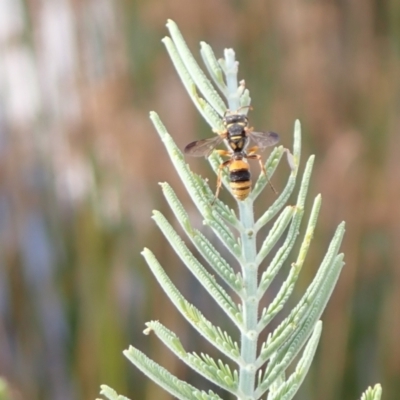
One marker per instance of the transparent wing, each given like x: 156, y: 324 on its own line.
x: 204, y: 147
x: 264, y: 139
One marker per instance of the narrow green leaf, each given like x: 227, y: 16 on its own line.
x: 208, y: 113
x: 220, y: 296
x: 178, y: 388
x: 215, y: 372
x: 213, y: 66
x: 301, y: 198
x: 219, y: 374
x: 289, y: 388
x: 275, y: 233
x: 111, y: 394
x: 329, y: 261
x: 278, y: 260
x: 288, y: 285
x: 297, y: 143
x: 374, y: 393
x: 280, y: 361
x: 168, y: 337
x: 245, y: 99
x: 195, y: 190
x: 219, y: 208
x: 276, y: 384
x: 230, y: 67
x: 221, y: 340
x: 302, y: 318
x: 205, y: 86
x: 225, y: 235
x: 270, y: 166
x: 275, y: 340
x: 285, y: 249
x: 182, y: 167
x: 202, y: 244
x: 309, y: 234
x: 280, y: 202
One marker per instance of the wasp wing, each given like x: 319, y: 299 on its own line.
x: 264, y: 139
x: 204, y: 147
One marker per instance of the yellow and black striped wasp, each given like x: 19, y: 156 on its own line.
x: 237, y: 135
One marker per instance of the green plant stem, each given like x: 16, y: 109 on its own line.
x: 249, y: 335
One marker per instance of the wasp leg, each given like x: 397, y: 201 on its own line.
x: 219, y: 179
x: 224, y: 153
x: 252, y: 156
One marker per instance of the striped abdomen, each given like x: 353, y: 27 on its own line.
x: 240, y: 179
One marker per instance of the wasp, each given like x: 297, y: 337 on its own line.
x: 236, y: 135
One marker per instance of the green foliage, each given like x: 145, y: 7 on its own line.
x: 372, y: 393
x: 254, y: 374
x: 4, y: 391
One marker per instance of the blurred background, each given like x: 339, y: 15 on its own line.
x: 80, y: 163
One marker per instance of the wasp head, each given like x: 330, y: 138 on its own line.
x: 235, y: 119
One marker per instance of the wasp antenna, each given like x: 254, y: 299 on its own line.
x: 249, y: 107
